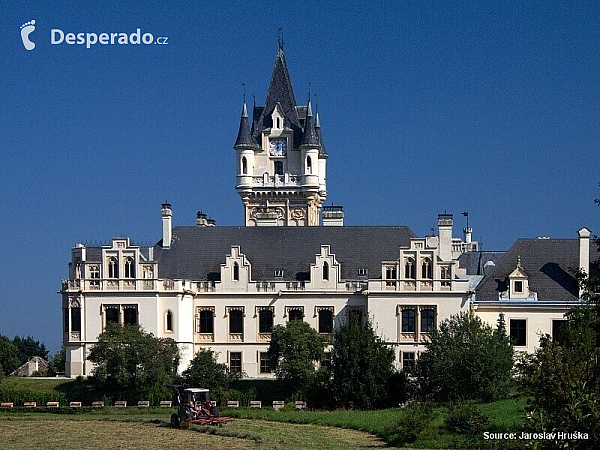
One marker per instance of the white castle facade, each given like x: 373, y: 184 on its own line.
x: 224, y: 288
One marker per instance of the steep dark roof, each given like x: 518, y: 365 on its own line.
x: 244, y: 137
x: 310, y: 138
x: 322, y: 151
x: 474, y: 262
x: 280, y: 92
x: 197, y: 252
x: 548, y: 262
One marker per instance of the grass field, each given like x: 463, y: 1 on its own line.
x: 55, y: 431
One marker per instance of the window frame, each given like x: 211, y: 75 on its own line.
x: 237, y: 358
x: 236, y: 314
x: 325, y: 323
x: 408, y: 319
x: 520, y: 326
x: 424, y: 321
x: 265, y: 325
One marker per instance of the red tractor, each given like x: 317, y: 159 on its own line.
x: 194, y: 407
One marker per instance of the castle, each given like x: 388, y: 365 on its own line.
x: 225, y: 288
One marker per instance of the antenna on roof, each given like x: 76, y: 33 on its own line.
x: 466, y: 214
x: 280, y: 39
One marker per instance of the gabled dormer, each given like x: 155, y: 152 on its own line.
x: 518, y: 283
x: 325, y: 273
x: 236, y: 271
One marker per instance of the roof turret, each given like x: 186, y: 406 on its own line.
x: 244, y: 137
x: 310, y: 134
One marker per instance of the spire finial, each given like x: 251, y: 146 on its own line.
x: 518, y: 260
x: 280, y: 39
x: 309, y: 87
x: 244, y: 91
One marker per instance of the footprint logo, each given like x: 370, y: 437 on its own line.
x: 26, y: 30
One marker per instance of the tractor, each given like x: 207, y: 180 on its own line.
x: 194, y: 407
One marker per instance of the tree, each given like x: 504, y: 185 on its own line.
x: 29, y: 347
x: 293, y: 352
x: 57, y: 362
x: 466, y: 359
x: 133, y: 362
x: 9, y: 355
x: 205, y: 372
x: 362, y: 366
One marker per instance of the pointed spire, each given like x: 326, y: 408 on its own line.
x: 244, y: 137
x: 280, y: 91
x: 310, y: 135
x: 322, y: 151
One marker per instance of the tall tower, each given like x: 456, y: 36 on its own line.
x: 281, y: 160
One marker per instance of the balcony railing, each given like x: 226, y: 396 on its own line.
x: 286, y: 180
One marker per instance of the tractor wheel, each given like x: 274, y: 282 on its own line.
x: 175, y: 422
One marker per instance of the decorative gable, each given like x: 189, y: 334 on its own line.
x: 518, y: 283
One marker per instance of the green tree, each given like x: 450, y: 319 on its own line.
x: 9, y: 355
x: 205, y: 372
x: 132, y: 362
x: 57, y: 362
x: 293, y: 352
x: 29, y: 347
x: 362, y: 366
x: 466, y: 359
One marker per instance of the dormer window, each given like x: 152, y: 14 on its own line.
x: 236, y: 272
x: 279, y: 122
x: 363, y: 272
x: 518, y: 286
x: 278, y: 273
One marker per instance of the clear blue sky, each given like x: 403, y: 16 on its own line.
x: 425, y: 106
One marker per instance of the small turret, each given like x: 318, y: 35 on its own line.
x: 310, y: 139
x: 244, y: 137
x: 167, y: 217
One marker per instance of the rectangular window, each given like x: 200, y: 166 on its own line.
x: 518, y: 286
x: 236, y: 321
x: 235, y: 362
x: 558, y: 327
x: 206, y: 321
x: 112, y: 315
x: 363, y: 272
x: 94, y: 276
x: 518, y: 332
x: 325, y: 321
x: 130, y: 316
x: 66, y: 321
x: 265, y: 367
x: 408, y: 320
x: 265, y: 321
x: 75, y: 319
x: 326, y: 361
x: 408, y: 360
x: 427, y: 320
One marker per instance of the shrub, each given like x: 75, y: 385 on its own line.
x: 465, y: 418
x: 414, y: 420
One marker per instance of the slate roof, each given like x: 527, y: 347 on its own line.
x: 474, y: 262
x: 244, y: 137
x: 548, y: 262
x: 281, y: 92
x: 197, y: 252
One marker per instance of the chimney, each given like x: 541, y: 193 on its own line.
x: 584, y: 250
x: 167, y: 215
x: 201, y: 220
x: 211, y: 222
x: 333, y: 216
x: 468, y: 233
x: 445, y: 232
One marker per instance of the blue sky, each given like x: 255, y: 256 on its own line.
x: 426, y: 107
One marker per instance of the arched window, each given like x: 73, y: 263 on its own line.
x: 265, y: 321
x: 325, y: 270
x: 408, y: 320
x: 129, y: 267
x: 427, y: 269
x: 113, y: 267
x: 236, y: 272
x: 169, y: 321
x: 278, y: 167
x: 244, y: 166
x: 409, y: 268
x: 308, y: 165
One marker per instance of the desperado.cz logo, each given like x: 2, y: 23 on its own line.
x: 58, y: 36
